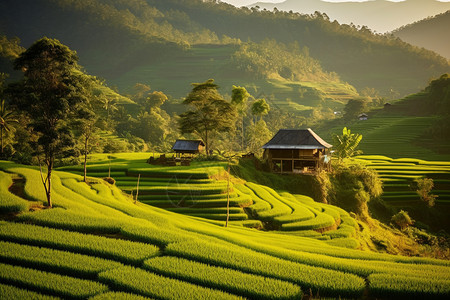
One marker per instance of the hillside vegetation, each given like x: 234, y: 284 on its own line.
x: 122, y: 40
x: 430, y: 33
x: 415, y: 126
x: 98, y: 239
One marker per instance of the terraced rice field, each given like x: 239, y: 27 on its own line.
x: 398, y: 177
x: 97, y: 243
x: 191, y: 191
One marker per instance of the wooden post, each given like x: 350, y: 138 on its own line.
x: 137, y: 188
x: 228, y: 196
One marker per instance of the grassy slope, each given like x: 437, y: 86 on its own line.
x: 270, y: 264
x: 397, y: 131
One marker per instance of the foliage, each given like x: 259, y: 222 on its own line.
x: 402, y: 219
x: 345, y: 145
x: 260, y: 108
x: 50, y: 93
x: 424, y: 187
x: 210, y: 113
x: 353, y: 187
x: 353, y: 108
x: 257, y: 135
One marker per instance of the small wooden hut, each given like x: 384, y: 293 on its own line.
x: 363, y: 117
x: 299, y: 151
x: 188, y: 147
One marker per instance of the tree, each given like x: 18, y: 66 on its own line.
x: 424, y: 187
x: 402, y: 219
x: 50, y: 93
x: 239, y: 97
x: 257, y: 135
x: 6, y: 116
x: 353, y: 108
x: 155, y: 100
x: 260, y: 108
x: 345, y: 145
x: 209, y: 113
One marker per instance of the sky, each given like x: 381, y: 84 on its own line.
x: 240, y: 3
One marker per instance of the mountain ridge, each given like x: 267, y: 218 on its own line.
x: 378, y: 15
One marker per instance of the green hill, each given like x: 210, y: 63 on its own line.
x: 96, y: 243
x: 415, y: 126
x: 170, y: 44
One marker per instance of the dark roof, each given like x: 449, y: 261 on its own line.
x: 296, y: 139
x: 187, y: 145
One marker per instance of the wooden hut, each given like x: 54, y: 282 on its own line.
x: 363, y: 117
x: 299, y: 151
x: 188, y: 147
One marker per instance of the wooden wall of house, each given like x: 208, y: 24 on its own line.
x: 290, y: 153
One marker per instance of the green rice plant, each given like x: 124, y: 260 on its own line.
x: 344, y: 242
x: 152, y: 234
x: 118, y: 296
x: 151, y: 285
x: 328, y: 282
x: 71, y: 220
x: 54, y: 260
x: 122, y: 250
x: 222, y: 217
x: 215, y: 210
x: 278, y: 208
x: 343, y: 231
x: 406, y: 287
x: 54, y: 284
x: 322, y: 220
x: 8, y: 292
x: 10, y: 203
x: 223, y: 278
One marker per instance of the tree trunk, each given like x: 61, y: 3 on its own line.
x: 85, y: 156
x: 1, y: 138
x: 228, y: 196
x: 206, y: 142
x: 242, y: 133
x: 49, y: 182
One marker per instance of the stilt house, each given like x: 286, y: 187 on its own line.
x: 189, y: 147
x: 299, y: 151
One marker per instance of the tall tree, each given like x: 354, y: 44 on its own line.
x: 345, y: 145
x: 209, y: 113
x: 239, y: 98
x: 51, y: 93
x: 6, y: 116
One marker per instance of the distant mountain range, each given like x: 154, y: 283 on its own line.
x: 379, y: 15
x: 431, y: 33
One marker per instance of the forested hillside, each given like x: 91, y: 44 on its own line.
x: 430, y: 33
x: 124, y: 41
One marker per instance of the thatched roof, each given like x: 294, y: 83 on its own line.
x: 296, y: 139
x: 187, y: 145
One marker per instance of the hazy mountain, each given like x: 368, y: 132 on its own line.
x: 378, y: 15
x: 431, y: 33
x: 297, y: 60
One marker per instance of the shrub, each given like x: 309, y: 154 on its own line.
x: 402, y: 219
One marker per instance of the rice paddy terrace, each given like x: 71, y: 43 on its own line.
x: 97, y: 243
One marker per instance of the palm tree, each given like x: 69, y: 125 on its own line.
x: 6, y: 118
